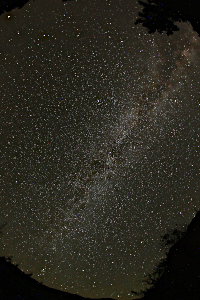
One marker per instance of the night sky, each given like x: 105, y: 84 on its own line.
x: 100, y: 123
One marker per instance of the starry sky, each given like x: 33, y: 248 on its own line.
x: 100, y: 131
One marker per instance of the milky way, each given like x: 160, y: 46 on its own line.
x: 100, y: 137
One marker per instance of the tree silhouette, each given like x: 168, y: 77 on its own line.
x: 177, y: 275
x: 171, y: 237
x: 12, y: 4
x: 156, y: 17
x: 160, y: 15
x: 8, y: 5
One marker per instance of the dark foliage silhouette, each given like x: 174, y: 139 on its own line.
x: 157, y: 15
x: 177, y: 277
x: 171, y: 237
x: 8, y: 5
x: 160, y: 15
x: 14, y: 285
